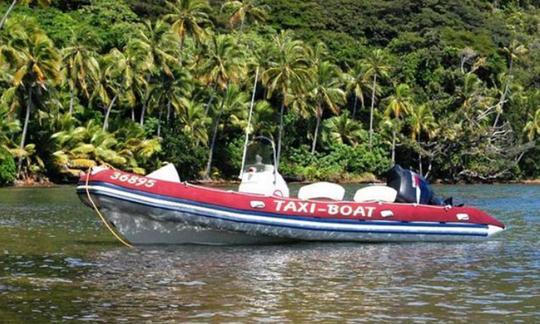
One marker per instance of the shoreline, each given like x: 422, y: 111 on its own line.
x: 230, y: 182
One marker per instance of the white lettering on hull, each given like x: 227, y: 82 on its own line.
x: 308, y: 208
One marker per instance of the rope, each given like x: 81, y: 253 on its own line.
x: 100, y: 215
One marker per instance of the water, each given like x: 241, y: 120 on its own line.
x: 58, y: 264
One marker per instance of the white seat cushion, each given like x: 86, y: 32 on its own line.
x: 321, y: 190
x: 375, y: 193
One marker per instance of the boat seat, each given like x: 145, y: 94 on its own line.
x: 321, y: 190
x: 375, y: 193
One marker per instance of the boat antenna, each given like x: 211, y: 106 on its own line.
x: 249, y: 122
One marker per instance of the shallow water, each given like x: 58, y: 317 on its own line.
x: 58, y: 264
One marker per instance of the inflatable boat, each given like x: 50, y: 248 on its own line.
x: 161, y: 209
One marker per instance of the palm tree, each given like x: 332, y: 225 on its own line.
x: 532, y: 128
x: 170, y: 89
x: 35, y: 63
x: 157, y: 41
x: 14, y: 2
x: 125, y: 70
x: 376, y: 66
x: 222, y: 66
x: 78, y: 148
x: 326, y: 93
x: 103, y: 87
x: 397, y: 104
x: 262, y: 119
x: 514, y: 51
x: 188, y: 18
x: 287, y: 74
x: 79, y: 67
x: 242, y: 10
x: 421, y: 120
x: 358, y: 83
x: 8, y: 126
x: 342, y: 129
x: 193, y: 118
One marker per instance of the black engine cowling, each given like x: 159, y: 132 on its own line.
x: 412, y: 188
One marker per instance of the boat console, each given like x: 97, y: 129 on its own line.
x: 260, y: 175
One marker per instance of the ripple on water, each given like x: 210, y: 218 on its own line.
x: 66, y: 269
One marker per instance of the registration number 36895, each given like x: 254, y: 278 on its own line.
x: 133, y: 179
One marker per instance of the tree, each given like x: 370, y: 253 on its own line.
x: 14, y: 2
x: 222, y: 66
x: 287, y: 74
x: 158, y: 42
x: 170, y: 89
x: 193, y: 119
x: 397, y: 104
x: 188, y: 17
x: 421, y: 121
x: 242, y: 10
x: 377, y: 67
x: 514, y: 51
x: 532, y: 128
x: 36, y: 65
x: 78, y: 148
x: 358, y: 83
x: 342, y: 129
x: 326, y: 93
x: 79, y: 67
x: 125, y: 71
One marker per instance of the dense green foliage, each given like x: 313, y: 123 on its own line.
x: 345, y: 87
x: 8, y: 171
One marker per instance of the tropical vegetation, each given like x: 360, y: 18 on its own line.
x: 345, y: 88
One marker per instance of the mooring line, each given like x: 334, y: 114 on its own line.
x: 99, y: 213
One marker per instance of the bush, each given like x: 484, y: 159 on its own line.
x: 180, y: 149
x: 8, y: 169
x: 341, y: 162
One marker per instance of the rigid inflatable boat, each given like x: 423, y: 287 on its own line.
x: 160, y: 209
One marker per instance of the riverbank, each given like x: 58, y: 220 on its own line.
x: 367, y: 179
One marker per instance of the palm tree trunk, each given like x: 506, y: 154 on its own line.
x: 108, y: 113
x: 213, y: 142
x: 132, y: 114
x: 393, y: 146
x: 181, y: 54
x: 168, y: 113
x: 419, y: 157
x: 25, y: 129
x: 208, y: 104
x: 141, y: 121
x: 3, y: 21
x: 316, y: 133
x: 159, y: 118
x: 280, y: 132
x: 71, y: 96
x: 354, y: 106
x: 505, y: 92
x: 371, y: 110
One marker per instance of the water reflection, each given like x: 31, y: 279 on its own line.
x: 57, y: 263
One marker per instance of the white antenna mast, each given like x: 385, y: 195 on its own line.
x: 249, y: 121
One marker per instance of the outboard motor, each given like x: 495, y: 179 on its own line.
x: 412, y: 188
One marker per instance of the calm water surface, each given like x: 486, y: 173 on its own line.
x: 58, y: 264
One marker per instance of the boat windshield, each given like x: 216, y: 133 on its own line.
x: 259, y: 156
